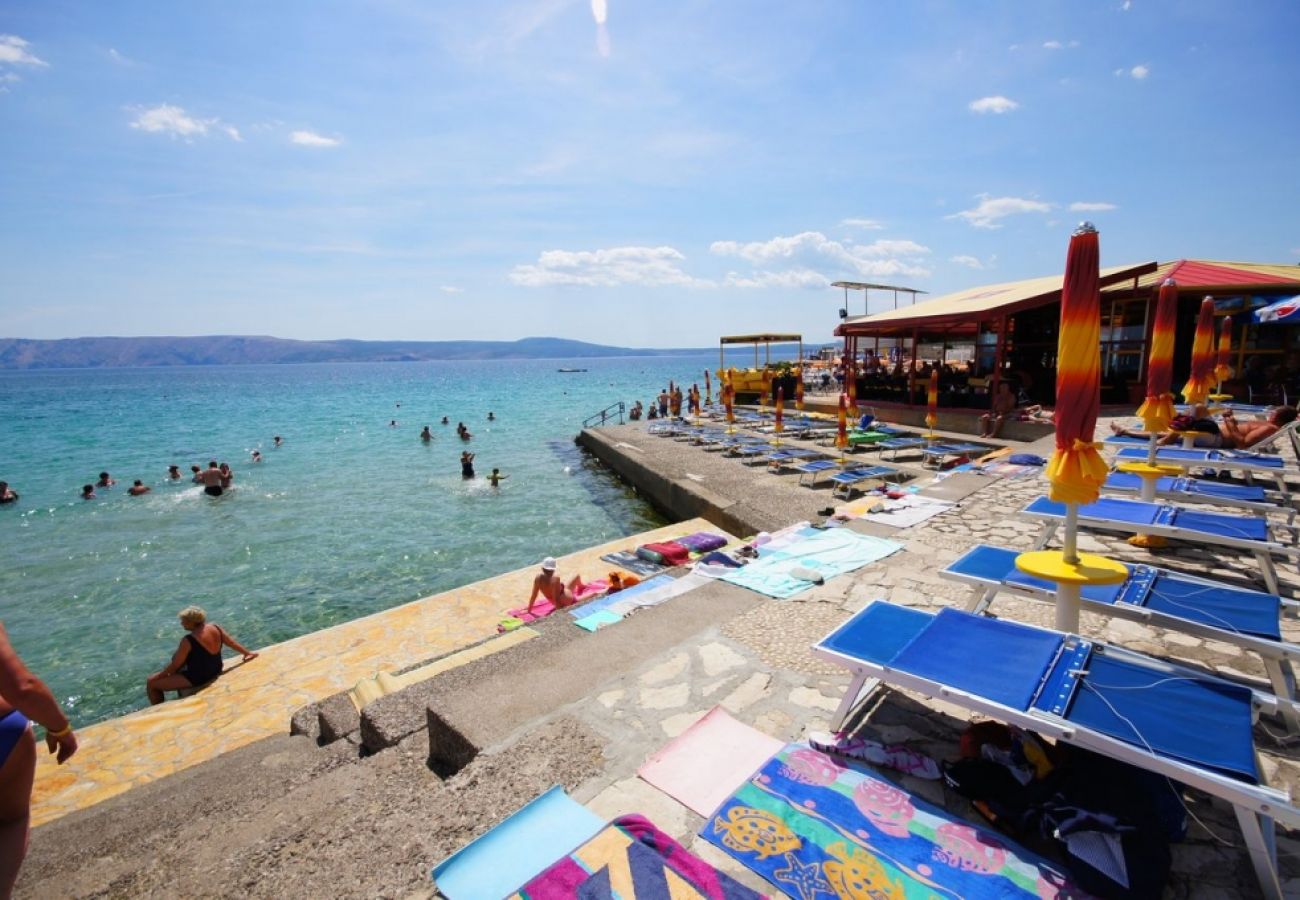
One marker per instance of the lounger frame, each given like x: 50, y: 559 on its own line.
x: 1257, y: 807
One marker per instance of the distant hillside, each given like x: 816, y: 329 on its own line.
x: 110, y: 352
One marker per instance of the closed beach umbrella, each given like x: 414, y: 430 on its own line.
x: 798, y: 391
x: 727, y: 395
x: 842, y: 423
x: 932, y: 401
x: 1202, y: 379
x: 779, y: 425
x: 1223, y: 358
x: 1157, y: 411
x: 708, y: 389
x: 851, y: 380
x: 1076, y: 469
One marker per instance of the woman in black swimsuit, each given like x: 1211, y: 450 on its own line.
x: 197, y: 660
x: 467, y: 465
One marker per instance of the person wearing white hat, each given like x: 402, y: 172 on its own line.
x: 549, y: 585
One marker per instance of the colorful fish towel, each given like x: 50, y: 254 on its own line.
x: 631, y: 858
x: 817, y: 829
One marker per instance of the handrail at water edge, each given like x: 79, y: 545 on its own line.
x: 603, y: 417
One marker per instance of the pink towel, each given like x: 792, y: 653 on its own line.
x: 543, y: 607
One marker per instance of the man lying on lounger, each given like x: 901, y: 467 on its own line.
x: 1229, y: 434
x: 549, y: 585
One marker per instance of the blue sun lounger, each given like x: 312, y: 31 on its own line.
x: 1193, y: 490
x: 748, y: 449
x: 1250, y: 533
x: 1190, y: 727
x: 1233, y: 460
x: 1197, y: 606
x: 809, y: 471
x: 853, y: 479
x: 937, y: 454
x: 782, y: 458
x: 894, y: 445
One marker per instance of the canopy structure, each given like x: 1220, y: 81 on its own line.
x: 758, y: 340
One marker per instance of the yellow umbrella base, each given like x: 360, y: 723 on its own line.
x: 1145, y: 470
x: 1090, y: 569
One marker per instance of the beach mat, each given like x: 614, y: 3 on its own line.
x: 707, y: 762
x: 822, y: 823
x: 612, y: 609
x: 602, y: 603
x: 513, y: 852
x: 828, y: 553
x: 631, y: 859
x: 627, y: 559
x: 908, y: 511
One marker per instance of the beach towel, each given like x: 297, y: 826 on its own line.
x: 636, y: 590
x: 669, y: 553
x: 828, y: 553
x: 702, y: 542
x: 815, y: 827
x: 907, y: 511
x: 627, y: 559
x: 629, y: 859
x: 543, y: 607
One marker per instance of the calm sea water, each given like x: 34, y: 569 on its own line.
x: 350, y: 516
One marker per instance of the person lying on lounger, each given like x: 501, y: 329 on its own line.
x: 1251, y: 433
x: 1230, y: 434
x: 549, y: 585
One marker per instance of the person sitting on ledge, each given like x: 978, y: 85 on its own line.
x: 549, y: 585
x: 1003, y: 407
x: 197, y: 660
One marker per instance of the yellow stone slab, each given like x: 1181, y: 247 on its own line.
x: 255, y: 700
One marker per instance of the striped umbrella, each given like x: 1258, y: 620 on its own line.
x: 695, y: 399
x: 798, y: 391
x: 1076, y: 469
x: 1223, y: 360
x: 851, y: 380
x: 932, y: 401
x: 842, y: 423
x: 727, y: 398
x: 1202, y: 378
x: 1157, y: 411
x: 708, y: 389
x: 778, y: 426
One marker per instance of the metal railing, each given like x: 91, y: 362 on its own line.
x: 606, y: 415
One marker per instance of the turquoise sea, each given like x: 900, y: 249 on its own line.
x: 350, y: 516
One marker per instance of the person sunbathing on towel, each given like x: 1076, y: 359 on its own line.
x: 549, y: 585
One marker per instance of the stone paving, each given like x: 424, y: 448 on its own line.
x: 257, y: 699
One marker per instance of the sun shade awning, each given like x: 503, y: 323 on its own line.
x: 761, y: 339
x: 979, y: 303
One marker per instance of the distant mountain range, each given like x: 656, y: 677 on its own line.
x: 112, y: 352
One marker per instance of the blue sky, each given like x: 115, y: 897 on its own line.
x: 650, y: 174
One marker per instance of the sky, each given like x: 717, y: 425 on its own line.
x: 638, y: 174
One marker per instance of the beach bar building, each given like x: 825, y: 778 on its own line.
x: 1009, y: 332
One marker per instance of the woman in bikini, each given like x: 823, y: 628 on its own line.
x: 24, y: 699
x: 197, y: 660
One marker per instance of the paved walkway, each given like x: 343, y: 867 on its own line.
x: 257, y: 699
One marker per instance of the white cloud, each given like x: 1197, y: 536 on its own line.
x: 969, y: 262
x: 792, y: 279
x: 869, y: 224
x: 996, y: 105
x: 1092, y: 207
x: 167, y: 119
x: 13, y: 50
x: 312, y: 139
x: 877, y: 259
x: 119, y: 58
x: 1126, y: 5
x: 451, y: 289
x: 600, y: 12
x: 1052, y: 45
x: 612, y: 267
x: 991, y: 210
x: 9, y: 78
x: 1137, y: 73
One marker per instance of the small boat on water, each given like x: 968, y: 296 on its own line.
x: 570, y: 370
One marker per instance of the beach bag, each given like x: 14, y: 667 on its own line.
x: 668, y: 553
x: 702, y: 542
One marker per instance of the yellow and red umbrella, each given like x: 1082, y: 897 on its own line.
x: 778, y: 426
x: 842, y: 423
x: 1157, y: 411
x: 1201, y: 382
x: 1223, y: 360
x: 708, y: 389
x: 798, y: 391
x: 851, y: 380
x: 932, y: 401
x: 1077, y: 470
x: 728, y: 394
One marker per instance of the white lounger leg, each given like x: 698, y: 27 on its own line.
x: 1045, y: 536
x: 1261, y: 840
x: 1282, y: 679
x: 980, y: 599
x: 860, y: 688
x: 1266, y: 567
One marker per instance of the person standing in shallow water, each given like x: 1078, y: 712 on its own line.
x: 197, y: 660
x: 211, y: 478
x: 426, y: 435
x: 24, y: 698
x: 467, y: 464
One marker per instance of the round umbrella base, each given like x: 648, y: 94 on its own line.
x: 1148, y: 541
x: 1051, y: 565
x: 1146, y: 470
x: 1219, y: 398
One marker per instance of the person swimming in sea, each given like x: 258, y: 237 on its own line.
x: 463, y: 432
x: 174, y: 473
x: 444, y: 421
x: 196, y: 475
x: 426, y: 435
x: 211, y: 479
x: 491, y: 416
x: 227, y: 476
x: 467, y: 464
x: 7, y: 495
x: 88, y: 492
x: 278, y: 440
x: 138, y: 489
x: 257, y: 456
x: 495, y: 478
x: 105, y: 480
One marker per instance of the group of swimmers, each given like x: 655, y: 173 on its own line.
x: 462, y: 431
